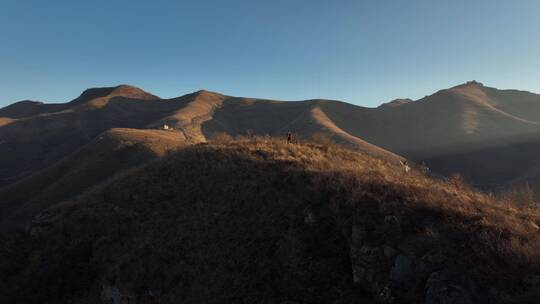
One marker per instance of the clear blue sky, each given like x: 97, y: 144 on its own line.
x: 363, y: 52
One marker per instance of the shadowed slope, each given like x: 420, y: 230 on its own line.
x: 396, y: 103
x: 95, y: 97
x: 525, y: 105
x: 28, y: 108
x: 32, y: 143
x: 113, y: 151
x: 98, y: 97
x: 262, y: 221
x: 457, y: 119
x: 241, y: 116
x: 358, y: 144
x: 38, y: 135
x: 458, y: 130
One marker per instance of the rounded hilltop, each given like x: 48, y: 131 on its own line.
x: 126, y: 91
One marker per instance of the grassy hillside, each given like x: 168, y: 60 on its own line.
x: 458, y: 130
x: 114, y: 151
x: 490, y: 136
x: 460, y: 119
x: 240, y: 116
x: 35, y: 135
x: 29, y: 108
x: 32, y: 143
x: 263, y: 221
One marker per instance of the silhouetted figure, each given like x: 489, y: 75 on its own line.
x: 289, y: 137
x: 405, y: 165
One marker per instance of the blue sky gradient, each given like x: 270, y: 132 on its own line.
x: 362, y: 52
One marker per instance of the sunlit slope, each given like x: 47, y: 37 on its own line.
x: 488, y: 135
x: 457, y: 119
x: 304, y: 119
x: 484, y: 133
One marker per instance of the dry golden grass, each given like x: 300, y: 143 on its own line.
x: 355, y: 142
x: 503, y: 227
x: 500, y: 234
x: 195, y: 113
x: 211, y: 223
x: 4, y: 121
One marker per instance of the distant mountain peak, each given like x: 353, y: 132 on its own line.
x: 396, y: 103
x: 123, y: 90
x: 472, y: 83
x: 22, y: 108
x: 204, y: 92
x: 25, y: 102
x: 28, y: 101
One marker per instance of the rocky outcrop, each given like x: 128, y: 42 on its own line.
x: 385, y: 263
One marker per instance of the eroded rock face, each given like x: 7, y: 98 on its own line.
x: 371, y: 263
x: 373, y: 255
x: 395, y: 266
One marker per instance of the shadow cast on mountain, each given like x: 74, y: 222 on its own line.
x: 262, y: 221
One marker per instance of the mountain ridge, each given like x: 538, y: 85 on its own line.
x: 465, y: 119
x: 151, y: 198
